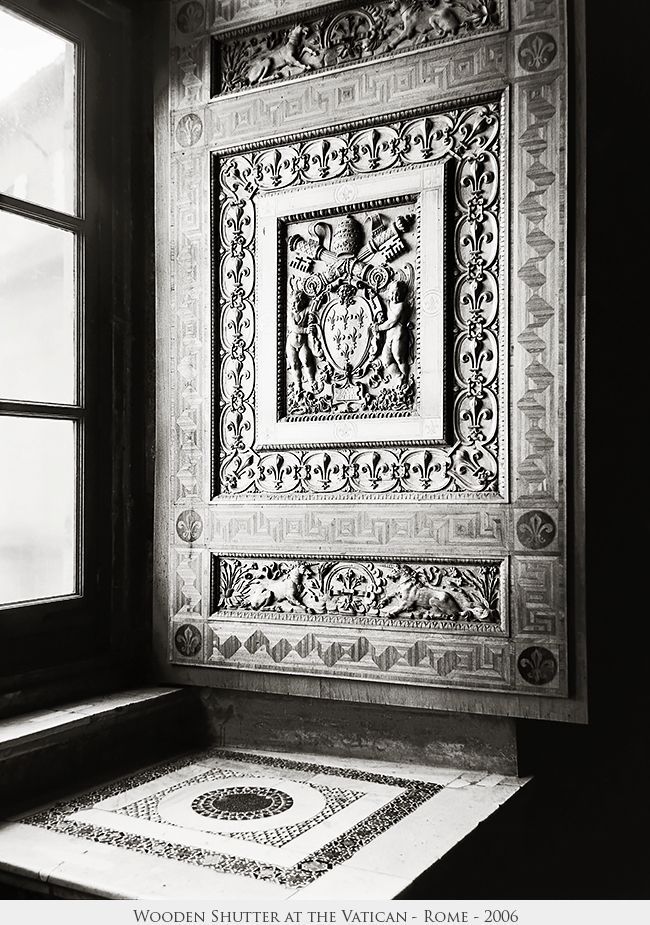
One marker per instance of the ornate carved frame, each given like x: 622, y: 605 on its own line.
x: 426, y: 186
x: 415, y: 458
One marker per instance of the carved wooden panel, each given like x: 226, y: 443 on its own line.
x: 347, y: 301
x: 341, y: 35
x: 365, y: 367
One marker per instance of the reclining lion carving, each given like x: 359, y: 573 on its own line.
x: 266, y: 591
x: 413, y: 594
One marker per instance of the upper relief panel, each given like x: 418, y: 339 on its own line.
x: 332, y: 38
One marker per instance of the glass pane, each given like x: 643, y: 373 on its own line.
x: 37, y: 509
x: 37, y: 114
x: 37, y: 311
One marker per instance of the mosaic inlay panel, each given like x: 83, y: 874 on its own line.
x: 261, y: 817
x: 241, y: 803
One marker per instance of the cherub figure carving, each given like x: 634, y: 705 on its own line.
x: 300, y: 357
x: 396, y: 349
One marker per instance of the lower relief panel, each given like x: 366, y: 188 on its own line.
x: 436, y: 623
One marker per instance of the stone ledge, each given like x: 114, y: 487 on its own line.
x: 48, y: 751
x: 22, y: 734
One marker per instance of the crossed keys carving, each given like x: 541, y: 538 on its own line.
x: 349, y: 344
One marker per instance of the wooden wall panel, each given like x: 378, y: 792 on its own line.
x: 280, y: 473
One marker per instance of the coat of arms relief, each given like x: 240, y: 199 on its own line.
x: 350, y: 333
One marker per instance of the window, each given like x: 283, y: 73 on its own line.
x: 42, y: 242
x: 62, y: 201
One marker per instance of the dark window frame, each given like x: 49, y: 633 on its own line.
x: 102, y: 632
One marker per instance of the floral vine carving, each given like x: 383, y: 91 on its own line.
x: 346, y: 37
x: 469, y: 139
x: 352, y: 588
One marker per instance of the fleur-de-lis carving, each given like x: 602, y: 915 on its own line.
x: 432, y: 138
x: 322, y: 158
x: 535, y: 529
x: 237, y: 274
x: 373, y: 148
x: 476, y: 356
x: 273, y: 469
x: 375, y: 469
x: 473, y: 130
x: 537, y: 54
x: 236, y: 221
x: 189, y: 18
x: 240, y: 181
x: 537, y: 665
x: 325, y: 470
x: 475, y: 415
x: 187, y: 640
x: 237, y: 468
x: 475, y: 299
x: 475, y: 180
x: 273, y: 167
x: 427, y: 469
x: 476, y: 241
x: 189, y: 526
x: 470, y: 463
x: 237, y: 427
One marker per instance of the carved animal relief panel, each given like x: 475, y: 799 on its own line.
x: 369, y: 618
x: 378, y: 592
x: 346, y: 36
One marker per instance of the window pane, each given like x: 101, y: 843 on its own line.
x: 37, y: 114
x: 37, y: 509
x: 37, y: 311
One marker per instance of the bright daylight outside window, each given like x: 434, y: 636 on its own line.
x: 41, y: 300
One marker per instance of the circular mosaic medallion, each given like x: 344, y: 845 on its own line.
x: 236, y: 803
x: 189, y: 130
x: 189, y: 526
x: 537, y: 665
